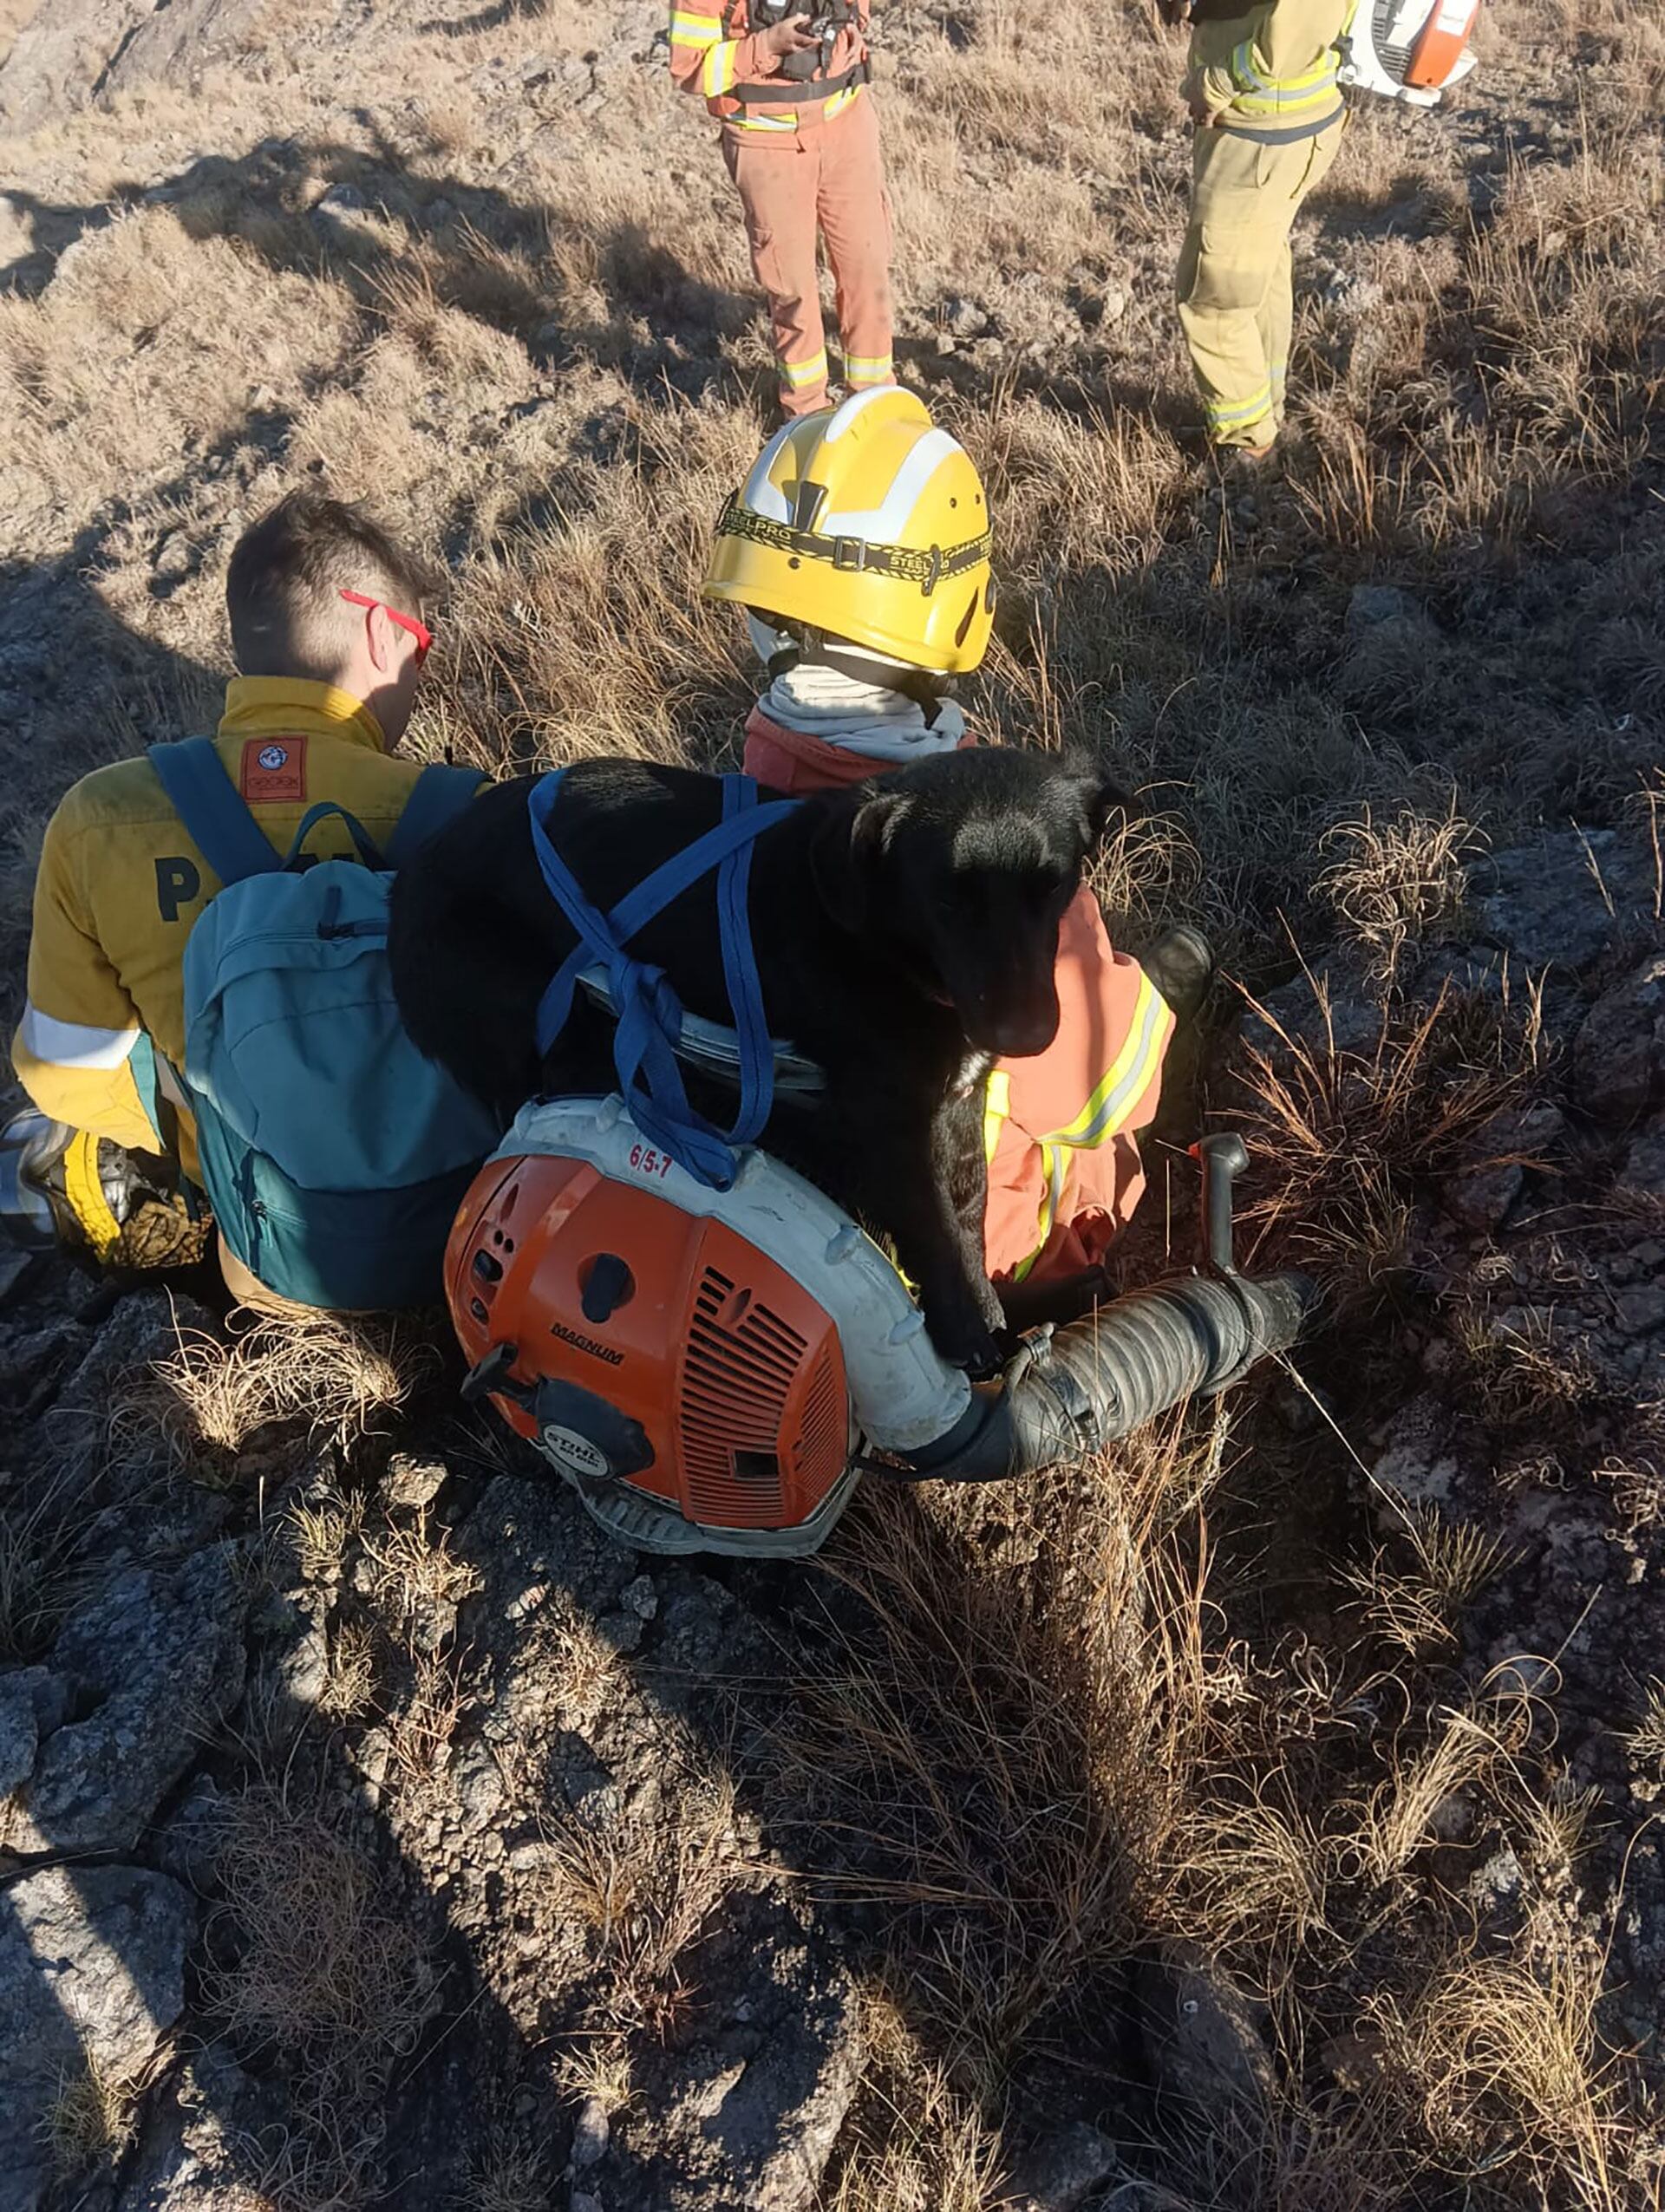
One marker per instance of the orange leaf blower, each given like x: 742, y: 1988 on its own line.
x: 1408, y: 50
x: 713, y: 1370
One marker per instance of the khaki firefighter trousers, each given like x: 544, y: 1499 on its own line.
x: 1236, y: 282
x: 827, y: 178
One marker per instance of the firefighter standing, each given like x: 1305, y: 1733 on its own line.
x: 800, y: 138
x: 1263, y: 92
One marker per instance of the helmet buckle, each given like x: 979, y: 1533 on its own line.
x: 850, y: 555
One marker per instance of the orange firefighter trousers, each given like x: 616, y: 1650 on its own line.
x: 827, y: 176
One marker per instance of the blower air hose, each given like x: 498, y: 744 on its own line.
x: 1079, y: 1389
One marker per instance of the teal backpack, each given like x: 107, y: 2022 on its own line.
x: 334, y: 1155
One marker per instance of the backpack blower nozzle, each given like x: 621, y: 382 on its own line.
x: 713, y: 1370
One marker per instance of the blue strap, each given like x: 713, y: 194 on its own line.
x: 214, y: 810
x: 437, y: 797
x: 363, y: 843
x: 650, y: 1013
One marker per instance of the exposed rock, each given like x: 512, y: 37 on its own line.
x: 1063, y: 2168
x: 1376, y: 610
x: 156, y: 1661
x: 1568, y: 897
x: 92, y: 1964
x: 67, y: 56
x: 1619, y: 1056
x: 748, y: 2113
x: 31, y: 1705
x: 1207, y: 2040
x: 188, y: 2159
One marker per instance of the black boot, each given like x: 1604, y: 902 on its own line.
x: 1181, y: 965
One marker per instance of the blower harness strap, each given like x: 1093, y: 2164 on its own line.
x: 650, y: 1012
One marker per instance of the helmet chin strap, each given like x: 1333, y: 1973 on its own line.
x: 806, y: 646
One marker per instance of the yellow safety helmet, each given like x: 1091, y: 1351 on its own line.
x: 864, y: 523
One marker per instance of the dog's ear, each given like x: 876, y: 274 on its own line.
x: 1099, y: 797
x: 847, y: 855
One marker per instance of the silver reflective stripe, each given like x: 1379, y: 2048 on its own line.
x: 1289, y: 135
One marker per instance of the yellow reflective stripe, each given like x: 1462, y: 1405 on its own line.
x: 869, y: 369
x: 1052, y: 1165
x: 763, y: 122
x: 996, y: 1110
x: 694, y: 30
x: 1248, y: 410
x: 1128, y: 1076
x: 800, y: 372
x: 84, y: 1188
x: 840, y: 100
x: 718, y: 71
x: 1301, y: 94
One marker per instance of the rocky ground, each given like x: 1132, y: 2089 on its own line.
x: 1266, y: 1818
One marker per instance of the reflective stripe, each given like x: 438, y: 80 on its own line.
x: 1264, y: 95
x: 1292, y: 135
x: 694, y: 30
x: 869, y: 369
x: 83, y: 1187
x: 1250, y: 410
x: 73, y: 1044
x: 717, y: 70
x: 1105, y: 1113
x: 797, y: 374
x: 996, y: 1110
x: 1052, y: 1167
x: 1129, y: 1077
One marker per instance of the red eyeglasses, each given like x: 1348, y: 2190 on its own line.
x: 419, y: 630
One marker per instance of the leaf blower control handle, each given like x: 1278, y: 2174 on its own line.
x: 1222, y: 1158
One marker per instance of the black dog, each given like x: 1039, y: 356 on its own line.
x: 906, y: 932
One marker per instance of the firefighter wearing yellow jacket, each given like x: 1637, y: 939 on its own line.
x: 327, y: 631
x: 1263, y: 91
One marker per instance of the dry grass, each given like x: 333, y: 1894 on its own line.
x: 1412, y: 1594
x: 1397, y: 882
x: 338, y: 1382
x: 314, y: 1962
x: 1347, y: 1130
x: 1037, y: 1733
x: 642, y: 1891
x: 507, y: 2177
x: 92, y: 2119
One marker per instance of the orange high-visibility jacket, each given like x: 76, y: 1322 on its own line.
x: 1059, y: 1129
x: 716, y: 56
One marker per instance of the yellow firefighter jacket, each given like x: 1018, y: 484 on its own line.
x: 120, y: 884
x: 1270, y: 72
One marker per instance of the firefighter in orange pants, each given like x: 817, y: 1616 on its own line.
x: 800, y: 138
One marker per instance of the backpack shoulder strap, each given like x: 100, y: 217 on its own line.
x: 437, y: 797
x: 214, y: 810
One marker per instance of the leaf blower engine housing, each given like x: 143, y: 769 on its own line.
x: 711, y: 1370
x: 1408, y: 50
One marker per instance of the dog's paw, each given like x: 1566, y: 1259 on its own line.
x: 972, y: 1347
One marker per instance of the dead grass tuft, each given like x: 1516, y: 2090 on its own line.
x: 314, y: 1958
x: 644, y: 1891
x: 1346, y: 1130
x: 338, y: 1382
x: 1398, y: 883
x: 92, y: 2119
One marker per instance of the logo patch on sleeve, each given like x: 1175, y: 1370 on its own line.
x: 273, y: 768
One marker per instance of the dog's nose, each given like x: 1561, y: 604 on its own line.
x: 1019, y: 1036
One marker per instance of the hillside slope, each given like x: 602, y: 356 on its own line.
x: 1262, y: 1819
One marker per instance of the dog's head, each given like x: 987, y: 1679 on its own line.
x: 959, y: 867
